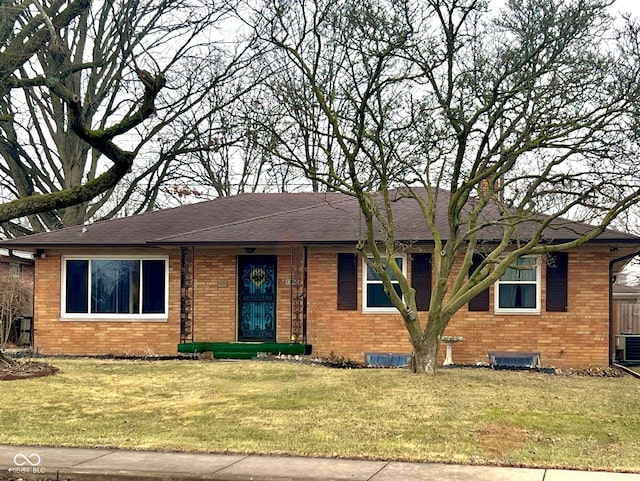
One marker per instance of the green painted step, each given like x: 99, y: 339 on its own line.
x: 243, y: 350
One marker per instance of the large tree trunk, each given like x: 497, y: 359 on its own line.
x: 424, y: 359
x: 426, y: 346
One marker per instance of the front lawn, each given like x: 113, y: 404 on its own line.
x: 462, y: 415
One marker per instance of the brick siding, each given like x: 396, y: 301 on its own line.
x: 575, y: 338
x: 89, y: 337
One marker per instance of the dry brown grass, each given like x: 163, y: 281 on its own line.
x: 461, y: 415
x: 500, y: 440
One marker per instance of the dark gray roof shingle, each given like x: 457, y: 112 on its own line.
x: 268, y: 218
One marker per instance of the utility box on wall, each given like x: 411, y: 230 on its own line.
x: 628, y: 347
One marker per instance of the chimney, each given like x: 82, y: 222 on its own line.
x: 485, y: 189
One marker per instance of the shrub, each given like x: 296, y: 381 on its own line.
x: 15, y: 296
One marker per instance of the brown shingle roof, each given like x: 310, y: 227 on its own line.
x: 141, y: 229
x: 270, y: 218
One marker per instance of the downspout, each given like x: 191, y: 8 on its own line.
x: 304, y: 294
x: 612, y: 333
x: 292, y: 300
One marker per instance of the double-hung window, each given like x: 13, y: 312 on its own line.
x: 518, y: 289
x: 108, y: 287
x: 374, y: 297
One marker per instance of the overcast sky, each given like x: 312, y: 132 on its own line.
x: 632, y: 6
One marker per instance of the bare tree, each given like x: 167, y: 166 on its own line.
x: 15, y: 296
x: 493, y: 118
x: 92, y: 79
x: 224, y: 152
x: 32, y: 30
x: 222, y: 156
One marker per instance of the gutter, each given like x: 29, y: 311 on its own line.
x: 612, y: 333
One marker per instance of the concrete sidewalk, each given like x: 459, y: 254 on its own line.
x: 27, y: 462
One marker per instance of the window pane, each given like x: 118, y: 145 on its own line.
x: 526, y: 270
x: 115, y: 286
x: 510, y: 275
x: 77, y: 295
x: 373, y: 276
x: 517, y: 296
x: 376, y: 297
x: 529, y: 273
x: 153, y: 287
x: 399, y: 262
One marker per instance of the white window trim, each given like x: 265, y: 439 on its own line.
x: 89, y: 316
x: 521, y: 311
x: 378, y: 310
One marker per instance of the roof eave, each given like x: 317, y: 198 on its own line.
x: 66, y: 245
x: 185, y: 242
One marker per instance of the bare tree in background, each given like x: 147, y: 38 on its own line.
x: 222, y: 153
x: 223, y: 156
x: 78, y: 101
x: 493, y: 117
x: 34, y: 33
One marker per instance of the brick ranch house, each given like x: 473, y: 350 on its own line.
x: 284, y: 270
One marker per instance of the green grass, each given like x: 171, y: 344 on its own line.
x: 461, y: 415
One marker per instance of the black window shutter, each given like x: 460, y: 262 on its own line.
x: 557, y: 277
x: 347, y: 282
x: 481, y: 301
x: 421, y: 279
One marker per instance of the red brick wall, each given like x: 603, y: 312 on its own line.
x: 346, y: 333
x: 89, y: 337
x: 215, y: 293
x: 575, y: 338
x: 578, y: 337
x: 215, y: 289
x: 215, y: 311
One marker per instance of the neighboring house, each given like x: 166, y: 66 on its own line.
x: 284, y: 268
x: 19, y: 264
x: 16, y: 263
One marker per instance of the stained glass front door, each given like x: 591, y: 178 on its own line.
x: 257, y: 298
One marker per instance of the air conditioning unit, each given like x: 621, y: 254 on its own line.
x: 628, y: 346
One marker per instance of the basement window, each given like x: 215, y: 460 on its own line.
x: 515, y: 360
x: 383, y: 359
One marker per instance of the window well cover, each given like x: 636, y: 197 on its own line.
x: 515, y: 359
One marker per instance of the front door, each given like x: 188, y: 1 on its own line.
x: 257, y: 298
